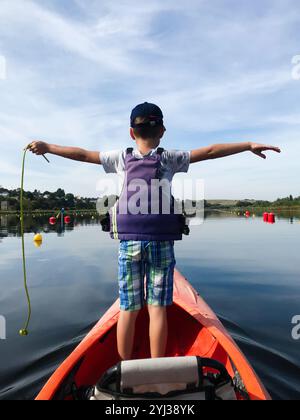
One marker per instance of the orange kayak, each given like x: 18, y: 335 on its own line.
x: 194, y: 330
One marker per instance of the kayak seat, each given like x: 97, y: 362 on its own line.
x: 173, y: 378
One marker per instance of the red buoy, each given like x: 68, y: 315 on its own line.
x: 266, y: 217
x: 67, y: 220
x: 52, y: 221
x: 271, y: 218
x: 248, y: 214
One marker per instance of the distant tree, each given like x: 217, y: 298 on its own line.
x: 243, y: 204
x: 70, y: 200
x: 47, y: 200
x: 27, y: 205
x: 60, y: 193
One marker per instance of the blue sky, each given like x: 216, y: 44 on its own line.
x: 220, y: 69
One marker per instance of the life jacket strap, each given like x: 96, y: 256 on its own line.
x: 129, y: 151
x: 159, y: 151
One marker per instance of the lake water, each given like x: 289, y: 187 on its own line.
x: 248, y: 272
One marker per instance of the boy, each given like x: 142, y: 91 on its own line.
x: 147, y: 240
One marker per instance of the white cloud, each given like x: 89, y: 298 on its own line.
x: 64, y: 34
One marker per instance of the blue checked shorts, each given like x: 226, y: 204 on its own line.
x: 152, y: 260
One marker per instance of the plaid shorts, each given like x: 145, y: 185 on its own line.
x: 152, y: 260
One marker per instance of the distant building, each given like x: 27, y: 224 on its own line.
x: 4, y: 205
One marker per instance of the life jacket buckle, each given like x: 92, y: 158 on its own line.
x: 105, y: 223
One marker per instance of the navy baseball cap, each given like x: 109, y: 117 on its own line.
x: 149, y: 111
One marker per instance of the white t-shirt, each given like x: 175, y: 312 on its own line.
x: 172, y: 162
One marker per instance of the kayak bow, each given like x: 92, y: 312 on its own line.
x: 194, y: 330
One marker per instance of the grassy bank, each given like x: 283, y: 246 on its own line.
x: 267, y: 208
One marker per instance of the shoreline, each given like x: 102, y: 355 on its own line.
x: 93, y: 212
x: 47, y: 212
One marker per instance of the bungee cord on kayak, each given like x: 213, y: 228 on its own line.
x: 24, y: 332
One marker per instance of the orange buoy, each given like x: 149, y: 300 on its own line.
x: 271, y: 218
x: 52, y: 221
x: 266, y: 217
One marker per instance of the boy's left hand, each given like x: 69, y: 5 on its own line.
x: 258, y: 149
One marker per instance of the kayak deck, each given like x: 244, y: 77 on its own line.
x: 194, y: 330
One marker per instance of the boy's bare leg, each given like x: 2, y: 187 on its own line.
x: 125, y: 333
x: 158, y: 330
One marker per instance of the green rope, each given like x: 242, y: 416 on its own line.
x: 24, y: 331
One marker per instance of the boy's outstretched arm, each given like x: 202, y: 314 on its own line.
x: 222, y: 150
x: 74, y: 153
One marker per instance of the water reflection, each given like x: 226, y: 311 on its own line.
x: 245, y: 269
x: 10, y: 225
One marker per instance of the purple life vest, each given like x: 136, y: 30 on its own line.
x: 140, y: 213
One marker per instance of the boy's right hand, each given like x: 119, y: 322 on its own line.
x: 39, y: 148
x: 73, y: 153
